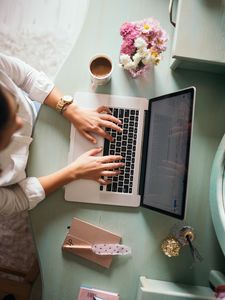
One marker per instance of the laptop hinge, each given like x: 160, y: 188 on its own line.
x: 144, y: 151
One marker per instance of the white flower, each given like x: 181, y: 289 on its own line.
x: 147, y: 60
x: 136, y: 59
x: 125, y: 59
x: 143, y: 52
x: 129, y: 66
x: 140, y: 43
x: 127, y: 62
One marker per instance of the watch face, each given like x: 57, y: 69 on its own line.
x: 68, y: 99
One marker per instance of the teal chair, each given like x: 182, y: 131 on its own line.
x: 217, y: 194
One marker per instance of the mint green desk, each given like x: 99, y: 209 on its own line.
x: 142, y: 229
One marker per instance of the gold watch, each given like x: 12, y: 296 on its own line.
x: 63, y: 103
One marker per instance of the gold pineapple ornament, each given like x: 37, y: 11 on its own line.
x: 171, y: 247
x: 180, y: 236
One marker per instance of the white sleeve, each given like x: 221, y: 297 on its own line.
x: 19, y: 197
x: 36, y: 84
x: 33, y: 190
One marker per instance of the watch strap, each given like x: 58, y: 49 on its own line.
x: 62, y: 105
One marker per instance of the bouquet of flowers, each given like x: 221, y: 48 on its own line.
x: 143, y: 43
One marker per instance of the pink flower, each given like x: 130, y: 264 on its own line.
x: 127, y: 47
x: 129, y: 31
x: 148, y: 25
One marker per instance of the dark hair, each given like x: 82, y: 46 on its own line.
x: 4, y: 109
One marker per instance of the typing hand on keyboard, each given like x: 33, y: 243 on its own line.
x: 98, y: 168
x: 89, y: 121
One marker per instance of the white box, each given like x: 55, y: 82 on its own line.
x: 150, y: 289
x: 199, y: 37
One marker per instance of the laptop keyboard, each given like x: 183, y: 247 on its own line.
x: 124, y: 144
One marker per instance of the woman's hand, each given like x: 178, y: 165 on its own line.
x: 86, y: 166
x: 92, y: 121
x: 90, y: 166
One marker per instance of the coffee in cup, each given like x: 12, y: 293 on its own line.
x: 100, y: 68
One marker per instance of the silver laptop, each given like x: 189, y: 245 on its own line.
x: 155, y: 145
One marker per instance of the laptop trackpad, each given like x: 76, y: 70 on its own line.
x: 82, y: 190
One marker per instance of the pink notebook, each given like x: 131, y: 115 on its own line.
x: 84, y: 233
x: 87, y: 293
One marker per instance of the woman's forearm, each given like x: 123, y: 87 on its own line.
x: 56, y: 180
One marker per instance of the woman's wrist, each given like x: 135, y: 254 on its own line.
x: 70, y: 173
x: 71, y: 111
x: 56, y: 180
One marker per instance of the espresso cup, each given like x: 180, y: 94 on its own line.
x: 100, y: 69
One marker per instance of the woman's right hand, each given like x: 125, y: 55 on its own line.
x: 98, y: 168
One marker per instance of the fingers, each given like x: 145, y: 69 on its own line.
x: 110, y: 166
x: 100, y: 131
x: 103, y: 134
x: 110, y: 158
x: 94, y: 151
x: 102, y: 109
x: 108, y: 114
x: 89, y: 137
x: 98, y: 128
x: 110, y: 173
x: 109, y: 124
x: 110, y: 118
x: 103, y: 181
x: 103, y: 159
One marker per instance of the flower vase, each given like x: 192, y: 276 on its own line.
x: 139, y: 71
x: 142, y: 45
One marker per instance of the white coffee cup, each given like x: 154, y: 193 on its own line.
x: 100, y: 69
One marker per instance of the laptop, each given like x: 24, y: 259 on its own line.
x: 155, y: 145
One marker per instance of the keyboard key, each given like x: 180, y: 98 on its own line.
x: 109, y: 187
x: 115, y: 112
x: 114, y: 187
x: 125, y: 189
x: 121, y: 111
x: 106, y: 147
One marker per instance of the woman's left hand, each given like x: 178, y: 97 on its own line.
x: 92, y: 121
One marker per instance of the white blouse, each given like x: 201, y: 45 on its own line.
x: 18, y: 192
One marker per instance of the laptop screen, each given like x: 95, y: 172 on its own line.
x: 167, y: 160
